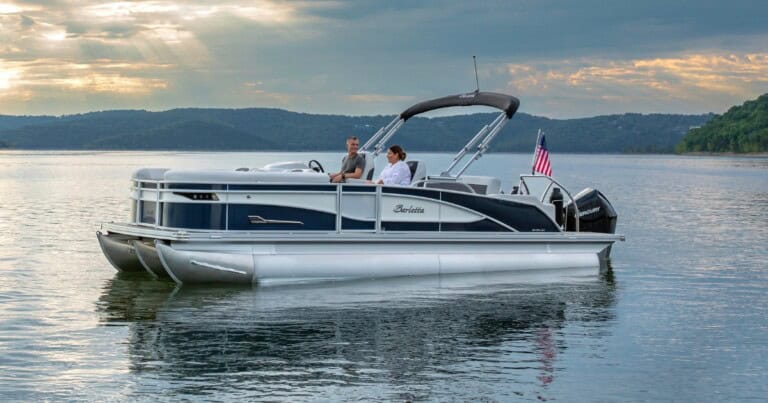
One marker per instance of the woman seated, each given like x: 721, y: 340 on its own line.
x: 397, y: 172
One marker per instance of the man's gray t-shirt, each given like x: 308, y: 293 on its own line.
x: 349, y: 165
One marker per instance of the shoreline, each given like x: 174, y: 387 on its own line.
x: 723, y: 154
x: 81, y: 150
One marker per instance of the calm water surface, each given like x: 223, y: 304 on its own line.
x: 683, y: 315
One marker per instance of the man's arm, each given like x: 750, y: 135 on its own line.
x: 336, y: 177
x: 355, y: 175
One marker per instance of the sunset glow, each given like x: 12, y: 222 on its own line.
x: 6, y: 76
x: 364, y: 58
x: 685, y: 78
x: 9, y: 8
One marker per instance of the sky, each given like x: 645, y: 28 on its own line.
x: 561, y: 58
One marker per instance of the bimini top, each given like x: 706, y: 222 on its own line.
x: 506, y: 103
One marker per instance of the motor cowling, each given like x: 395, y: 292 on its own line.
x: 596, y: 214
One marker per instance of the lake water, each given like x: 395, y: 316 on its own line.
x: 683, y: 315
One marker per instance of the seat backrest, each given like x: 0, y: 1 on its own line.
x: 418, y: 170
x: 369, y: 166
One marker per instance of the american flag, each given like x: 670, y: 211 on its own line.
x: 541, y: 158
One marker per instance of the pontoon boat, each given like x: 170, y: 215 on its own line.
x: 286, y: 223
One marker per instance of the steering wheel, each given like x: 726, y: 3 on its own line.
x: 317, y: 167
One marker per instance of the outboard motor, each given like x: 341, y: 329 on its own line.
x: 596, y: 214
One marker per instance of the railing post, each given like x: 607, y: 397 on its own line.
x: 137, y: 216
x: 157, y: 204
x: 377, y: 206
x: 339, y: 194
x: 226, y: 207
x: 570, y: 197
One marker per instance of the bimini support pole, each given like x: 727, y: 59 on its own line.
x: 460, y: 155
x: 483, y: 147
x: 380, y: 145
x: 380, y: 132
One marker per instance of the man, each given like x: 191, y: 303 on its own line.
x: 353, y: 163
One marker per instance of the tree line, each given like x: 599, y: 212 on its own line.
x: 742, y: 129
x: 265, y: 129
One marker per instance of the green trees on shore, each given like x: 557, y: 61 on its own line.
x: 279, y: 130
x: 743, y: 129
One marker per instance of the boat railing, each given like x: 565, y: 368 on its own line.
x: 148, y: 200
x: 550, y: 182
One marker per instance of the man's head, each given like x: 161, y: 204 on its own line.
x: 352, y: 144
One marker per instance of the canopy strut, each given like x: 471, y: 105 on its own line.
x: 506, y: 103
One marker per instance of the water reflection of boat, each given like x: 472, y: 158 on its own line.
x: 130, y: 297
x: 285, y: 223
x: 360, y: 332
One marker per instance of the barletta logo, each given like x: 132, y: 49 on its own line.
x: 408, y: 210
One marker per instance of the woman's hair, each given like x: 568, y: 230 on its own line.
x: 396, y: 149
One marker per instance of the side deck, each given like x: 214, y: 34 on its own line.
x: 331, y: 208
x: 213, y: 236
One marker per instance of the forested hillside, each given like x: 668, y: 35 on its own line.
x: 743, y: 129
x: 275, y: 129
x: 14, y: 122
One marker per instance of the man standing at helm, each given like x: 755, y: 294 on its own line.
x: 353, y: 163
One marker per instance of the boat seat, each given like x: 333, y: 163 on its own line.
x: 369, y: 166
x: 153, y: 174
x: 418, y: 170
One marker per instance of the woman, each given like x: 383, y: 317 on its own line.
x: 397, y: 172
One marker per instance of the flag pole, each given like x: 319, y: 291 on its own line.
x: 535, y: 151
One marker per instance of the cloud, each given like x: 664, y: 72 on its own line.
x: 9, y: 8
x: 103, y: 76
x: 261, y: 11
x: 264, y: 97
x: 364, y: 56
x: 378, y: 98
x: 663, y: 84
x: 7, y: 75
x: 27, y: 22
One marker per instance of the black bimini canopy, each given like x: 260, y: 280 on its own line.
x: 506, y: 103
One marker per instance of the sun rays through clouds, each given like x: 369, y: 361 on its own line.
x: 353, y: 57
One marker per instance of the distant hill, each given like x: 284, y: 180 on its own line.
x: 743, y: 129
x: 14, y: 122
x: 275, y: 129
